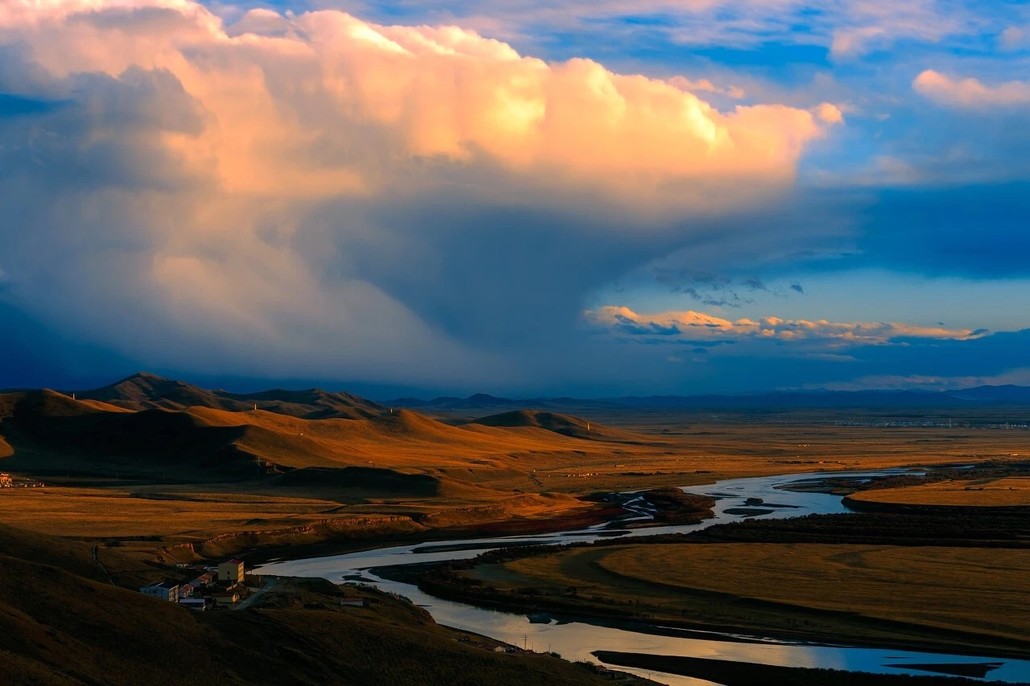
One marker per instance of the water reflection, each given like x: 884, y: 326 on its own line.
x: 578, y: 640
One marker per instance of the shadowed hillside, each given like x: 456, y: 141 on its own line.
x: 71, y: 556
x: 148, y: 391
x: 64, y: 622
x: 369, y: 481
x: 52, y: 433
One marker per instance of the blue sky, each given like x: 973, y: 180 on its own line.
x: 664, y: 196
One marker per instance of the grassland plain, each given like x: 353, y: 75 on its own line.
x: 757, y: 589
x: 187, y: 481
x: 1013, y: 491
x: 934, y: 579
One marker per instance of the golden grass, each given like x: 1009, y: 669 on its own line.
x: 484, y: 474
x: 401, y: 440
x: 956, y: 588
x: 113, y: 513
x: 965, y: 589
x: 102, y: 406
x: 235, y: 522
x: 666, y: 448
x: 1011, y: 491
x: 703, y: 451
x: 648, y: 449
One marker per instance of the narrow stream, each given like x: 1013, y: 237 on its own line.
x: 577, y: 640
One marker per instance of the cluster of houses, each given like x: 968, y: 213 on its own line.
x: 8, y: 481
x: 219, y: 586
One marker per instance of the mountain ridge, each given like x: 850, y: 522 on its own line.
x: 144, y: 391
x: 984, y: 395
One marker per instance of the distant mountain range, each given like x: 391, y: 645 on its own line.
x: 143, y: 391
x: 968, y: 397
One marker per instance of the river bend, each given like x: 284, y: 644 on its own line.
x: 578, y: 640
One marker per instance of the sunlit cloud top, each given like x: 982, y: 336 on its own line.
x: 690, y: 325
x: 426, y: 196
x: 285, y: 105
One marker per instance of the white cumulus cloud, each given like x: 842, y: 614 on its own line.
x: 323, y: 195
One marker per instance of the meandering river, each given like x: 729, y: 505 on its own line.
x: 578, y: 640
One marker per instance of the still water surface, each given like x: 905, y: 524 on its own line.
x: 577, y: 640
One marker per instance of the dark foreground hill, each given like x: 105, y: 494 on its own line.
x: 63, y: 622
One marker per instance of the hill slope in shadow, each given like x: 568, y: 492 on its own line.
x: 144, y: 391
x: 64, y: 622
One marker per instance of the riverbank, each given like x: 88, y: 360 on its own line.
x: 730, y: 673
x: 866, y: 579
x: 608, y: 624
x: 663, y: 506
x: 594, y: 516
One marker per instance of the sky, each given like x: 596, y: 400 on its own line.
x: 519, y: 197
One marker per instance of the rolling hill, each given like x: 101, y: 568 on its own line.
x: 50, y: 433
x: 563, y: 424
x: 143, y: 391
x: 143, y: 428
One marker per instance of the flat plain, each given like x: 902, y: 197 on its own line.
x: 180, y: 479
x: 1004, y: 492
x: 821, y: 588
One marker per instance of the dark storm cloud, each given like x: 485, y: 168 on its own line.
x: 338, y: 199
x: 980, y: 231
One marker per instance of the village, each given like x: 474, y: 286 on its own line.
x: 8, y: 481
x: 218, y: 586
x: 228, y: 586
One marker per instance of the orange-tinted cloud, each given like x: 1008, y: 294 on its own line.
x: 970, y: 93
x: 698, y: 326
x: 269, y: 191
x: 291, y: 102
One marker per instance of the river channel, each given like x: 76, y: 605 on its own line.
x: 577, y: 640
